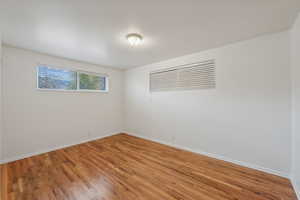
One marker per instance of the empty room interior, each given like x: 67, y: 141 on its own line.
x: 150, y: 100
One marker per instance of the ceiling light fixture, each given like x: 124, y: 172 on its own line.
x: 134, y: 39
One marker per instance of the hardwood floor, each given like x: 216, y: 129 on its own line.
x: 124, y: 167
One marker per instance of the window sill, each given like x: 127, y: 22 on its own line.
x: 72, y: 91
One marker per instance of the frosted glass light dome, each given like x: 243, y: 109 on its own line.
x: 134, y: 39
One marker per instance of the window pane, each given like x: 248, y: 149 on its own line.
x: 91, y: 82
x: 49, y: 78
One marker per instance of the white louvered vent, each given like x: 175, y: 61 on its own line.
x: 192, y: 76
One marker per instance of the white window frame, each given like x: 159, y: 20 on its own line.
x: 77, y: 77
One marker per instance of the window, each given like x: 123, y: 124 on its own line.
x: 91, y: 82
x: 186, y: 77
x: 49, y: 78
x: 60, y: 79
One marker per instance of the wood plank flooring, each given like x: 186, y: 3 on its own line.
x: 124, y: 167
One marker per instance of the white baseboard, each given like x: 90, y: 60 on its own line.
x: 19, y: 157
x: 267, y: 170
x: 219, y: 157
x: 253, y: 166
x: 296, y: 187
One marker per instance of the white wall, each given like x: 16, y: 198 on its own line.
x: 295, y: 55
x: 247, y: 118
x: 1, y: 111
x: 37, y: 121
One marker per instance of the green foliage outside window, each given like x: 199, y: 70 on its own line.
x: 91, y: 82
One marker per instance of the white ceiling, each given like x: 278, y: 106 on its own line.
x: 94, y: 30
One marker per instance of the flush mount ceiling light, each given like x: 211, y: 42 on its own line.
x: 134, y: 39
